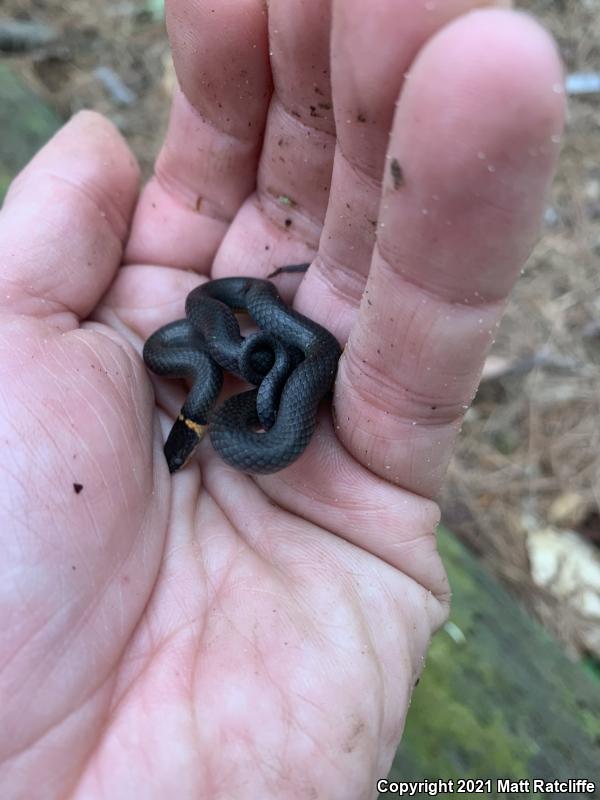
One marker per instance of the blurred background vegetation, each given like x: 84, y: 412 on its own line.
x: 512, y: 685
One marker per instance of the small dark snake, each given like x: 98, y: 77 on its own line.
x: 291, y: 361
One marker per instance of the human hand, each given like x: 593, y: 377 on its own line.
x: 211, y: 634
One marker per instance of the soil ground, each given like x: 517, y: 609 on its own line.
x: 523, y: 490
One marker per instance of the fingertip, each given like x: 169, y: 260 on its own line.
x: 103, y: 132
x: 491, y: 86
x: 507, y: 49
x: 66, y: 219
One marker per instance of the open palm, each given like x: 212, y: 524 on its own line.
x: 210, y: 634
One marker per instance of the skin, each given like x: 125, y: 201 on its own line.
x: 211, y: 635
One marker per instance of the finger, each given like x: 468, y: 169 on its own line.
x: 472, y: 150
x: 366, y: 84
x: 65, y: 220
x: 294, y: 174
x: 207, y: 166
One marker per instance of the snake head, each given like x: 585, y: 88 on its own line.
x: 183, y: 439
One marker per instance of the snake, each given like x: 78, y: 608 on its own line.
x: 291, y: 362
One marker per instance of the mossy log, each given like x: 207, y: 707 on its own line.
x: 498, y: 697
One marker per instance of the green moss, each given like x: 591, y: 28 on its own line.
x: 5, y: 179
x: 468, y: 738
x: 498, y: 697
x: 26, y: 124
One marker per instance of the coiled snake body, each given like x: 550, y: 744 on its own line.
x: 291, y: 361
